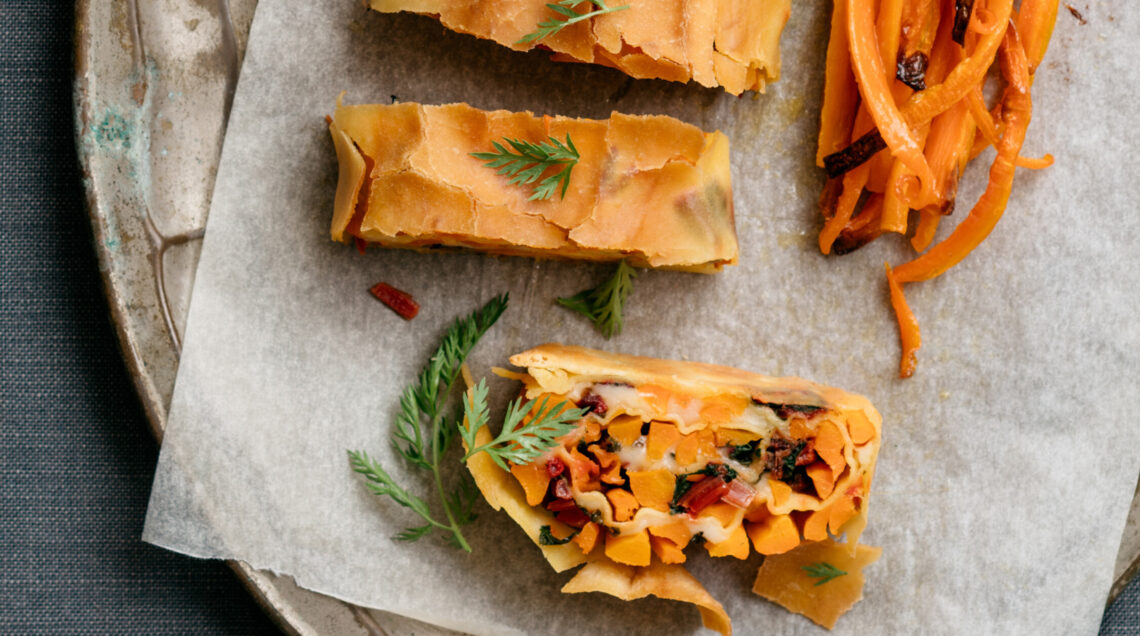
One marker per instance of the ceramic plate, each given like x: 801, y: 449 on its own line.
x: 153, y: 85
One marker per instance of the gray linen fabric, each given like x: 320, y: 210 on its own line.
x: 76, y: 460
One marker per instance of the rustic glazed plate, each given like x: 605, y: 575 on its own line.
x: 153, y: 85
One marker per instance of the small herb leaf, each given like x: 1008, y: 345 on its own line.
x: 422, y: 435
x: 567, y: 9
x: 528, y: 429
x: 823, y: 571
x: 546, y: 538
x: 528, y: 161
x: 603, y: 304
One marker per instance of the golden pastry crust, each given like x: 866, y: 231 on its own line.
x: 730, y: 43
x: 696, y: 377
x: 675, y: 454
x: 650, y: 189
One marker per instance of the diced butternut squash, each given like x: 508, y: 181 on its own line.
x: 780, y: 491
x: 625, y: 429
x: 824, y: 480
x: 658, y: 397
x: 653, y: 488
x: 630, y: 549
x: 610, y: 464
x: 841, y: 512
x: 860, y: 428
x: 666, y: 550
x: 798, y: 427
x: 592, y: 431
x: 534, y: 479
x: 662, y: 437
x: 678, y: 532
x: 624, y: 503
x: 587, y: 537
x: 706, y: 446
x: 828, y: 445
x: 774, y: 535
x: 583, y: 471
x: 686, y: 449
x: 726, y: 436
x: 736, y: 545
x: 815, y: 528
x: 724, y: 513
x: 757, y: 511
x: 723, y: 409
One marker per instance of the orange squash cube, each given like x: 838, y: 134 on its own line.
x: 774, y: 535
x: 624, y: 503
x: 662, y: 437
x: 630, y: 549
x: 653, y: 488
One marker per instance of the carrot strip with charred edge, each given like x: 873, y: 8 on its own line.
x: 948, y: 149
x: 854, y: 155
x: 870, y: 75
x: 862, y: 229
x: 919, y: 25
x: 948, y: 47
x: 853, y: 183
x: 842, y: 97
x: 928, y: 220
x: 925, y: 105
x: 962, y: 12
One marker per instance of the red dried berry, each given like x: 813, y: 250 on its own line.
x: 398, y: 301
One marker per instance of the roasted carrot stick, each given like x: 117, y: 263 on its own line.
x: 933, y: 120
x: 863, y: 228
x: 1034, y: 163
x: 985, y: 215
x: 910, y: 338
x: 928, y: 220
x: 853, y: 183
x: 1035, y: 21
x: 841, y: 97
x: 870, y: 75
x: 920, y: 23
x: 924, y: 105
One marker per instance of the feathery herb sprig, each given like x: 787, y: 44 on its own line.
x: 422, y: 433
x: 528, y: 429
x: 823, y: 571
x: 603, y: 304
x: 568, y: 15
x: 531, y: 160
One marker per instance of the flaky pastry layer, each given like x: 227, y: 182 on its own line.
x: 649, y: 189
x: 673, y: 456
x: 730, y: 43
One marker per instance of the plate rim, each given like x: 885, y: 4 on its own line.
x: 154, y: 408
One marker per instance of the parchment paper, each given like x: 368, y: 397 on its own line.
x: 1008, y: 460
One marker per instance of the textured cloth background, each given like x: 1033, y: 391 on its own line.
x: 76, y: 458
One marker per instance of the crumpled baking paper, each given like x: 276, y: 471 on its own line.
x: 1008, y: 460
